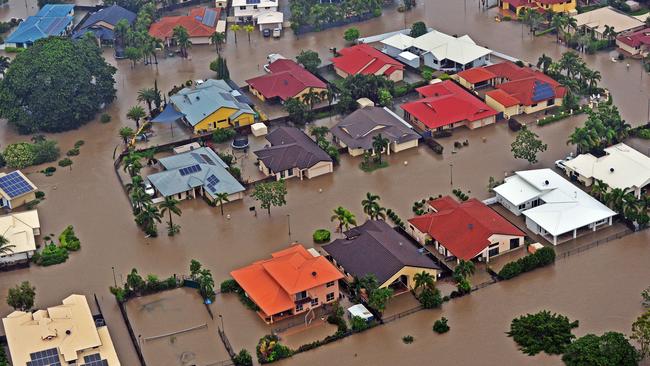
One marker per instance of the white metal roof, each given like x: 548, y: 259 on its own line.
x: 622, y: 167
x: 18, y: 228
x: 270, y: 17
x: 399, y: 41
x: 443, y: 46
x: 360, y: 311
x: 566, y: 207
x: 408, y: 56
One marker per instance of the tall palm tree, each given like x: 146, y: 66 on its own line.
x: 609, y: 33
x: 372, y: 208
x: 379, y: 143
x: 147, y: 218
x: 311, y: 98
x: 423, y: 280
x: 132, y: 163
x: 182, y: 38
x: 544, y: 62
x: 136, y: 113
x: 599, y: 189
x: 234, y: 29
x: 632, y: 207
x: 615, y: 199
x: 170, y: 205
x: 126, y: 133
x: 139, y: 199
x: 249, y: 29
x: 569, y: 62
x: 206, y: 284
x: 344, y: 217
x: 584, y: 140
x: 136, y: 181
x: 147, y: 96
x: 220, y: 199
x: 5, y: 247
x: 559, y: 21
x: 218, y: 38
x: 464, y: 269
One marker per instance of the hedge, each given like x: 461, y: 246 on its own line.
x: 560, y: 116
x: 540, y: 258
x: 321, y: 236
x: 69, y: 240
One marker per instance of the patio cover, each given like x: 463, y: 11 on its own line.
x: 168, y: 115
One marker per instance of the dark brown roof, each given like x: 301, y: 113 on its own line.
x: 291, y: 148
x: 358, y: 129
x: 375, y: 248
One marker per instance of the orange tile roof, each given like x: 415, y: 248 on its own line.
x: 476, y: 75
x: 272, y: 283
x: 502, y: 98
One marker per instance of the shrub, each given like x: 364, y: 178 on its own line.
x: 69, y: 240
x: 243, y: 358
x: 19, y: 155
x: 227, y: 158
x: 230, y: 286
x: 73, y: 152
x: 40, y: 195
x: 506, y: 18
x: 269, y: 349
x: 79, y: 143
x: 541, y: 258
x: 408, y: 339
x: 528, y: 263
x: 546, y: 256
x: 444, y: 77
x: 235, y: 172
x: 443, y: 133
x: 542, y: 332
x: 65, y: 162
x: 520, y: 63
x: 322, y: 236
x: 45, y: 151
x: 445, y: 298
x: 50, y: 255
x: 223, y: 135
x: 510, y: 270
x: 430, y: 298
x: 359, y: 324
x: 644, y: 133
x: 441, y: 326
x: 49, y: 171
x: 105, y: 118
x: 32, y: 204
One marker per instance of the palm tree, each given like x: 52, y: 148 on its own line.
x: 609, y: 33
x: 147, y: 218
x: 249, y: 29
x: 148, y: 96
x: 559, y: 21
x: 423, y: 280
x: 170, y: 205
x: 379, y: 143
x: 632, y: 207
x: 139, y: 199
x: 132, y: 163
x: 599, y: 189
x: 4, y: 64
x: 592, y: 78
x: 206, y: 284
x: 311, y: 98
x: 234, y: 29
x: 5, y: 247
x: 583, y: 139
x: 126, y: 133
x: 220, y: 199
x: 372, y: 208
x: 218, y: 38
x: 615, y: 199
x: 136, y: 181
x: 136, y: 113
x: 344, y: 217
x: 182, y: 38
x: 464, y: 269
x: 569, y: 62
x: 544, y: 62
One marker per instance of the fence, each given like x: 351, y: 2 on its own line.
x: 226, y: 343
x: 138, y: 351
x: 353, y: 19
x: 594, y: 244
x: 393, y: 317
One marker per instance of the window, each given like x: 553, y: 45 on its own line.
x: 514, y: 243
x: 550, y: 102
x: 314, y: 301
x: 242, y: 8
x: 533, y: 105
x: 493, y: 251
x: 330, y: 284
x: 299, y: 307
x: 522, y: 206
x: 301, y: 295
x: 330, y: 297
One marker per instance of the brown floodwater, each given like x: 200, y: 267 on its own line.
x: 89, y: 196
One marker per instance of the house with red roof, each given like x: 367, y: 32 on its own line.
x: 446, y: 105
x: 293, y: 281
x: 553, y: 6
x: 286, y: 80
x: 465, y: 230
x: 635, y: 43
x: 366, y: 60
x: 200, y: 23
x: 516, y: 89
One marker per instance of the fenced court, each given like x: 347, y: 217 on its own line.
x: 173, y: 328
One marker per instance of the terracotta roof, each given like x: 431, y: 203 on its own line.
x: 272, y: 283
x: 636, y: 39
x: 446, y: 103
x: 476, y: 75
x: 286, y: 80
x: 197, y: 24
x: 502, y: 98
x: 366, y: 60
x: 463, y: 228
x: 516, y: 3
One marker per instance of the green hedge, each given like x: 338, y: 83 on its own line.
x: 321, y: 236
x: 543, y: 257
x: 561, y: 115
x: 69, y: 240
x: 51, y: 255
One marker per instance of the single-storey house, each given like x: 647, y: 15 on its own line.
x: 594, y: 21
x: 212, y: 105
x: 634, y: 43
x: 552, y: 205
x: 200, y: 24
x: 19, y: 229
x: 294, y: 281
x: 517, y: 89
x: 51, y: 20
x: 199, y: 172
x: 247, y: 11
x: 286, y: 80
x: 16, y: 190
x: 465, y: 230
x: 377, y: 249
x: 619, y: 167
x: 436, y: 50
x: 553, y: 6
x: 446, y: 105
x: 356, y: 131
x: 293, y: 154
x: 366, y: 60
x: 102, y: 23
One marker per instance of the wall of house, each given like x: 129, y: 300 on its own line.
x: 416, y: 234
x: 507, y: 111
x: 629, y: 49
x: 341, y: 73
x: 256, y: 93
x: 510, y: 206
x: 504, y: 243
x: 396, y: 76
x: 200, y: 40
x: 542, y: 106
x: 403, y: 146
x: 355, y: 152
x: 410, y: 272
x: 323, y: 167
x: 466, y: 84
x: 423, y: 127
x: 391, y: 51
x: 302, y: 94
x: 321, y: 292
x: 565, y: 7
x: 430, y: 61
x: 251, y: 11
x: 16, y: 257
x: 220, y: 119
x: 19, y: 201
x: 482, y: 122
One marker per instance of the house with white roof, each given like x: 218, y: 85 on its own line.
x: 20, y: 229
x: 250, y: 10
x: 436, y: 50
x: 619, y: 167
x: 594, y: 21
x: 552, y: 205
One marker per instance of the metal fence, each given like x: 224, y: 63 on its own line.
x: 408, y: 312
x: 594, y: 244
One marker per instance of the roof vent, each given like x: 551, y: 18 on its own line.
x: 470, y: 226
x: 68, y: 332
x: 611, y: 170
x: 198, y: 98
x: 314, y: 274
x: 546, y: 182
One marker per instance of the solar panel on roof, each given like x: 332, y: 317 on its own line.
x: 48, y: 357
x: 190, y: 170
x: 14, y: 184
x: 207, y: 159
x: 209, y: 17
x: 252, y: 1
x: 542, y: 91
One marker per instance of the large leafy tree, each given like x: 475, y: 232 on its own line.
x: 641, y: 334
x: 527, y: 145
x: 542, y: 332
x: 21, y: 297
x: 610, y: 349
x: 56, y: 85
x: 270, y: 194
x: 309, y: 59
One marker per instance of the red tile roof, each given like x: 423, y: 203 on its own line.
x: 463, y: 228
x: 636, y: 39
x: 164, y: 28
x: 273, y: 283
x: 446, y: 103
x: 503, y: 98
x: 476, y: 75
x: 286, y: 80
x: 366, y: 60
x: 516, y: 3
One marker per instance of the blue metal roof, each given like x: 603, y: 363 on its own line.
x: 51, y: 20
x: 111, y: 15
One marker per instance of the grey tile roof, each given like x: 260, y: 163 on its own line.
x: 196, y: 168
x: 291, y: 148
x: 358, y: 129
x: 199, y: 102
x: 375, y: 248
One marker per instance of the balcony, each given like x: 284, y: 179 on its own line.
x: 303, y: 301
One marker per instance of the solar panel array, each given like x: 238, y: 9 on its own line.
x: 207, y: 159
x: 49, y: 357
x: 212, y: 183
x: 252, y: 2
x: 209, y: 17
x: 190, y: 170
x: 542, y: 91
x: 14, y: 184
x: 94, y: 360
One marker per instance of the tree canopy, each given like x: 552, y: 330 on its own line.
x: 310, y: 60
x: 527, y: 145
x: 418, y: 29
x: 270, y: 194
x: 542, y: 332
x: 56, y: 85
x: 22, y: 297
x: 610, y: 349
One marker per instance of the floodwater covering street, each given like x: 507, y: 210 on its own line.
x: 599, y: 287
